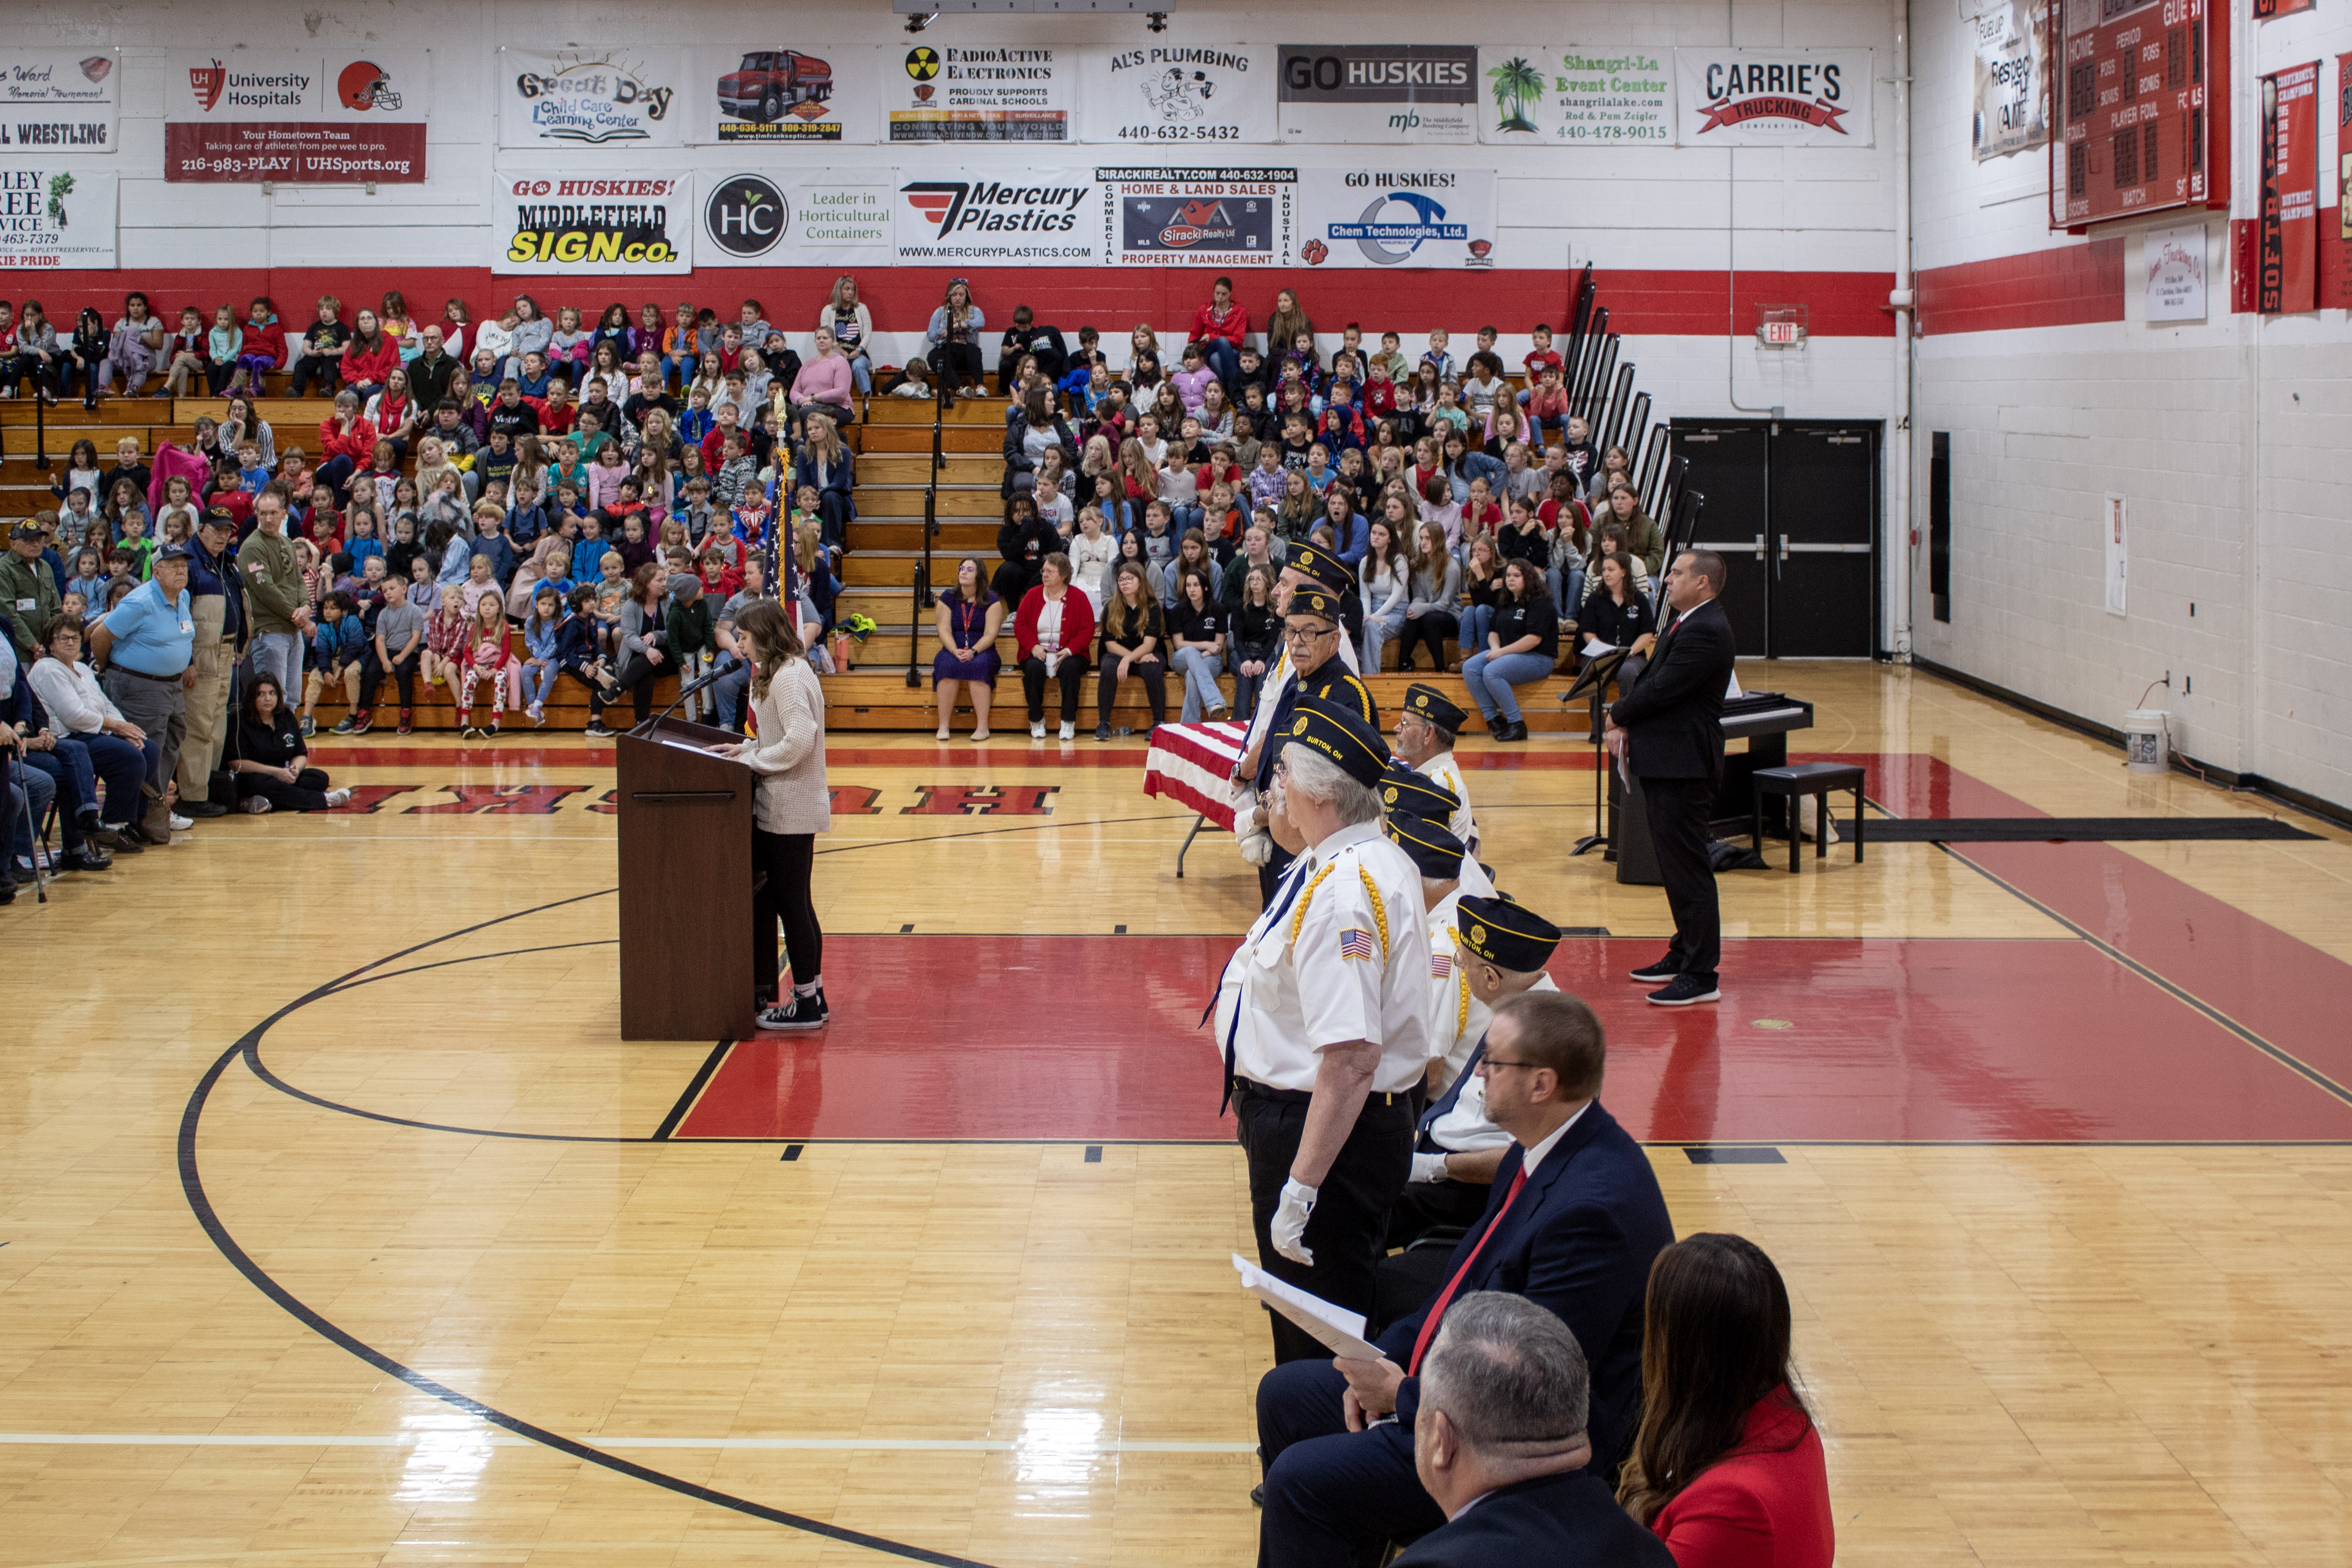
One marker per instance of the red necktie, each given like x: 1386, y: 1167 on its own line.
x: 1446, y: 1297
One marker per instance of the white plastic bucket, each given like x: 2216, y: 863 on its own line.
x: 2145, y: 747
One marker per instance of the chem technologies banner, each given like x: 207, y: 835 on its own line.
x: 1393, y: 94
x: 1399, y: 215
x: 56, y: 220
x: 253, y: 115
x: 1177, y: 94
x: 1589, y: 96
x: 591, y: 98
x: 58, y: 101
x: 950, y: 93
x: 839, y: 218
x: 2012, y: 82
x: 1041, y: 217
x: 582, y: 220
x: 770, y: 94
x: 1773, y: 97
x: 1199, y: 217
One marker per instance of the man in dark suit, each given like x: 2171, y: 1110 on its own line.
x: 1667, y: 734
x: 1575, y: 1218
x: 1500, y: 1445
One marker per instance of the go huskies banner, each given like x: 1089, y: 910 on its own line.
x: 1773, y: 97
x: 579, y: 221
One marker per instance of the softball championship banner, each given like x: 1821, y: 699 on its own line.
x: 956, y: 94
x: 55, y: 219
x: 1173, y: 93
x: 1585, y: 97
x: 1042, y: 217
x: 780, y: 95
x: 2289, y: 280
x: 571, y: 97
x: 57, y: 99
x: 1773, y: 97
x: 639, y: 225
x: 256, y: 115
x: 808, y: 218
x: 1396, y: 94
x: 1396, y: 216
x: 2012, y: 79
x: 1198, y: 217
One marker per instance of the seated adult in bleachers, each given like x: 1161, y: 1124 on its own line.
x: 1054, y: 635
x: 952, y: 340
x: 825, y: 384
x: 1728, y: 1467
x: 968, y: 618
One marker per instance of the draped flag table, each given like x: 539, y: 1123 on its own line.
x: 1192, y: 764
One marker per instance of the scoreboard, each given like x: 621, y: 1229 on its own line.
x: 2131, y: 80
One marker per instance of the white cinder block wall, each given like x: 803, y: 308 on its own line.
x: 2228, y: 439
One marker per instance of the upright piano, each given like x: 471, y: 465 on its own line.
x: 1764, y: 720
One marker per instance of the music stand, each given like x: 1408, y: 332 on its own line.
x: 1595, y: 679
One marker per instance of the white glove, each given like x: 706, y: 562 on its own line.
x: 1428, y: 1168
x: 1290, y: 1222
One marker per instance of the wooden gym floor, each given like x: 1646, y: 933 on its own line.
x: 337, y: 1228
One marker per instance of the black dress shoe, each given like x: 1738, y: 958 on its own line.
x: 80, y: 858
x: 1659, y: 973
x: 1494, y: 725
x: 1514, y: 730
x: 1257, y: 1494
x: 201, y: 809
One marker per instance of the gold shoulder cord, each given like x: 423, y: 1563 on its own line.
x: 1380, y: 908
x: 1461, y: 992
x: 1307, y: 898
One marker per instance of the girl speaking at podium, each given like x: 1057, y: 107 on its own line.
x: 791, y: 807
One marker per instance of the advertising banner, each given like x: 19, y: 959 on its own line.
x: 61, y: 98
x: 54, y: 219
x: 812, y: 218
x: 1396, y: 94
x: 1198, y: 217
x: 2176, y: 273
x: 256, y: 115
x: 2289, y: 281
x: 779, y: 96
x: 2012, y: 79
x: 636, y: 225
x: 1399, y: 216
x: 1174, y: 93
x: 954, y: 94
x: 575, y: 98
x: 1773, y: 97
x: 1044, y: 217
x: 1582, y: 97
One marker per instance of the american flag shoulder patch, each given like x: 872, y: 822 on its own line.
x: 1355, y: 944
x: 1440, y: 966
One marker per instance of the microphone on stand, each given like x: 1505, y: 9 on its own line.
x: 728, y: 667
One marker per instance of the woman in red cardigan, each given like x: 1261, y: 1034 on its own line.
x: 1054, y: 632
x: 346, y: 441
x: 1728, y: 1467
x: 371, y: 356
x: 1221, y: 328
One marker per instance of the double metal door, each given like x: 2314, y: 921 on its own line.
x: 1792, y: 507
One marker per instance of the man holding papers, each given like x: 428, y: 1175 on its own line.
x: 1574, y: 1220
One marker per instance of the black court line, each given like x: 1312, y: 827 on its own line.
x: 192, y: 1186
x: 693, y: 1092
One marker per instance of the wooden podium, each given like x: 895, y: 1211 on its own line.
x: 688, y: 965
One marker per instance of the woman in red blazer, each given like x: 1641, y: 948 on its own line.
x: 1728, y: 1467
x: 1054, y: 632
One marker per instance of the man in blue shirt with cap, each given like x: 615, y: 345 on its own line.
x: 143, y: 650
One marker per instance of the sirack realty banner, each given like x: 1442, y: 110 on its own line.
x: 59, y: 99
x: 640, y: 225
x: 1773, y: 97
x: 1582, y: 97
x: 247, y: 116
x: 56, y: 219
x: 1198, y: 217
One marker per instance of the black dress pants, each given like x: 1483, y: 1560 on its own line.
x: 1681, y: 811
x: 1151, y: 672
x: 1032, y: 685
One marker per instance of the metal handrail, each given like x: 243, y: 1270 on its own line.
x: 919, y: 597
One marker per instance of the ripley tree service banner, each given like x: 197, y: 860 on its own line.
x: 1392, y: 94
x: 1583, y: 97
x: 1170, y: 94
x: 609, y: 98
x: 636, y: 226
x: 249, y: 116
x: 55, y: 219
x: 56, y: 99
x: 2013, y: 81
x: 957, y: 94
x: 1773, y: 97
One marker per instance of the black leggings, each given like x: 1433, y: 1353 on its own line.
x: 635, y: 676
x: 1151, y: 672
x: 963, y: 359
x: 1434, y: 627
x: 784, y: 860
x: 307, y: 793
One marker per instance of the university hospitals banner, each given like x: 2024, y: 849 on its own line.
x: 54, y: 219
x: 253, y: 115
x: 587, y: 220
x: 1039, y: 217
x: 1199, y: 217
x: 1177, y: 94
x: 61, y: 100
x: 952, y: 93
x: 1401, y: 214
x: 1773, y: 97
x: 591, y: 98
x: 1591, y: 97
x: 819, y: 217
x: 1375, y: 94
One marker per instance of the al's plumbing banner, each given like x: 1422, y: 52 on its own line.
x: 582, y: 220
x: 952, y: 93
x: 836, y: 218
x: 253, y: 115
x: 1774, y: 97
x: 1399, y: 216
x: 1582, y: 97
x: 1198, y: 217
x: 1040, y: 218
x: 2012, y: 82
x: 1397, y: 94
x: 61, y: 98
x: 1166, y: 94
x: 602, y: 98
x: 57, y: 219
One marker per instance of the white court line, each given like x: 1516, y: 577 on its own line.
x: 509, y: 1440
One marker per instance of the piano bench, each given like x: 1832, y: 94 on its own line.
x: 1819, y: 780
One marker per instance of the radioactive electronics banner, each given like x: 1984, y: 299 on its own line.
x: 997, y: 93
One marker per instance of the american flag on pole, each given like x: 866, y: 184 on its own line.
x: 1354, y: 944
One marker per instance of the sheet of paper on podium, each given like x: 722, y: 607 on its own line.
x: 1336, y: 1329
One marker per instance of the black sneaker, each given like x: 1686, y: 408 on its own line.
x: 1102, y: 732
x: 801, y: 1012
x: 1683, y: 990
x: 119, y: 838
x: 1657, y: 974
x: 597, y: 728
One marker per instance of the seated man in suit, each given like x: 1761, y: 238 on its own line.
x: 1500, y: 1445
x: 1574, y: 1220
